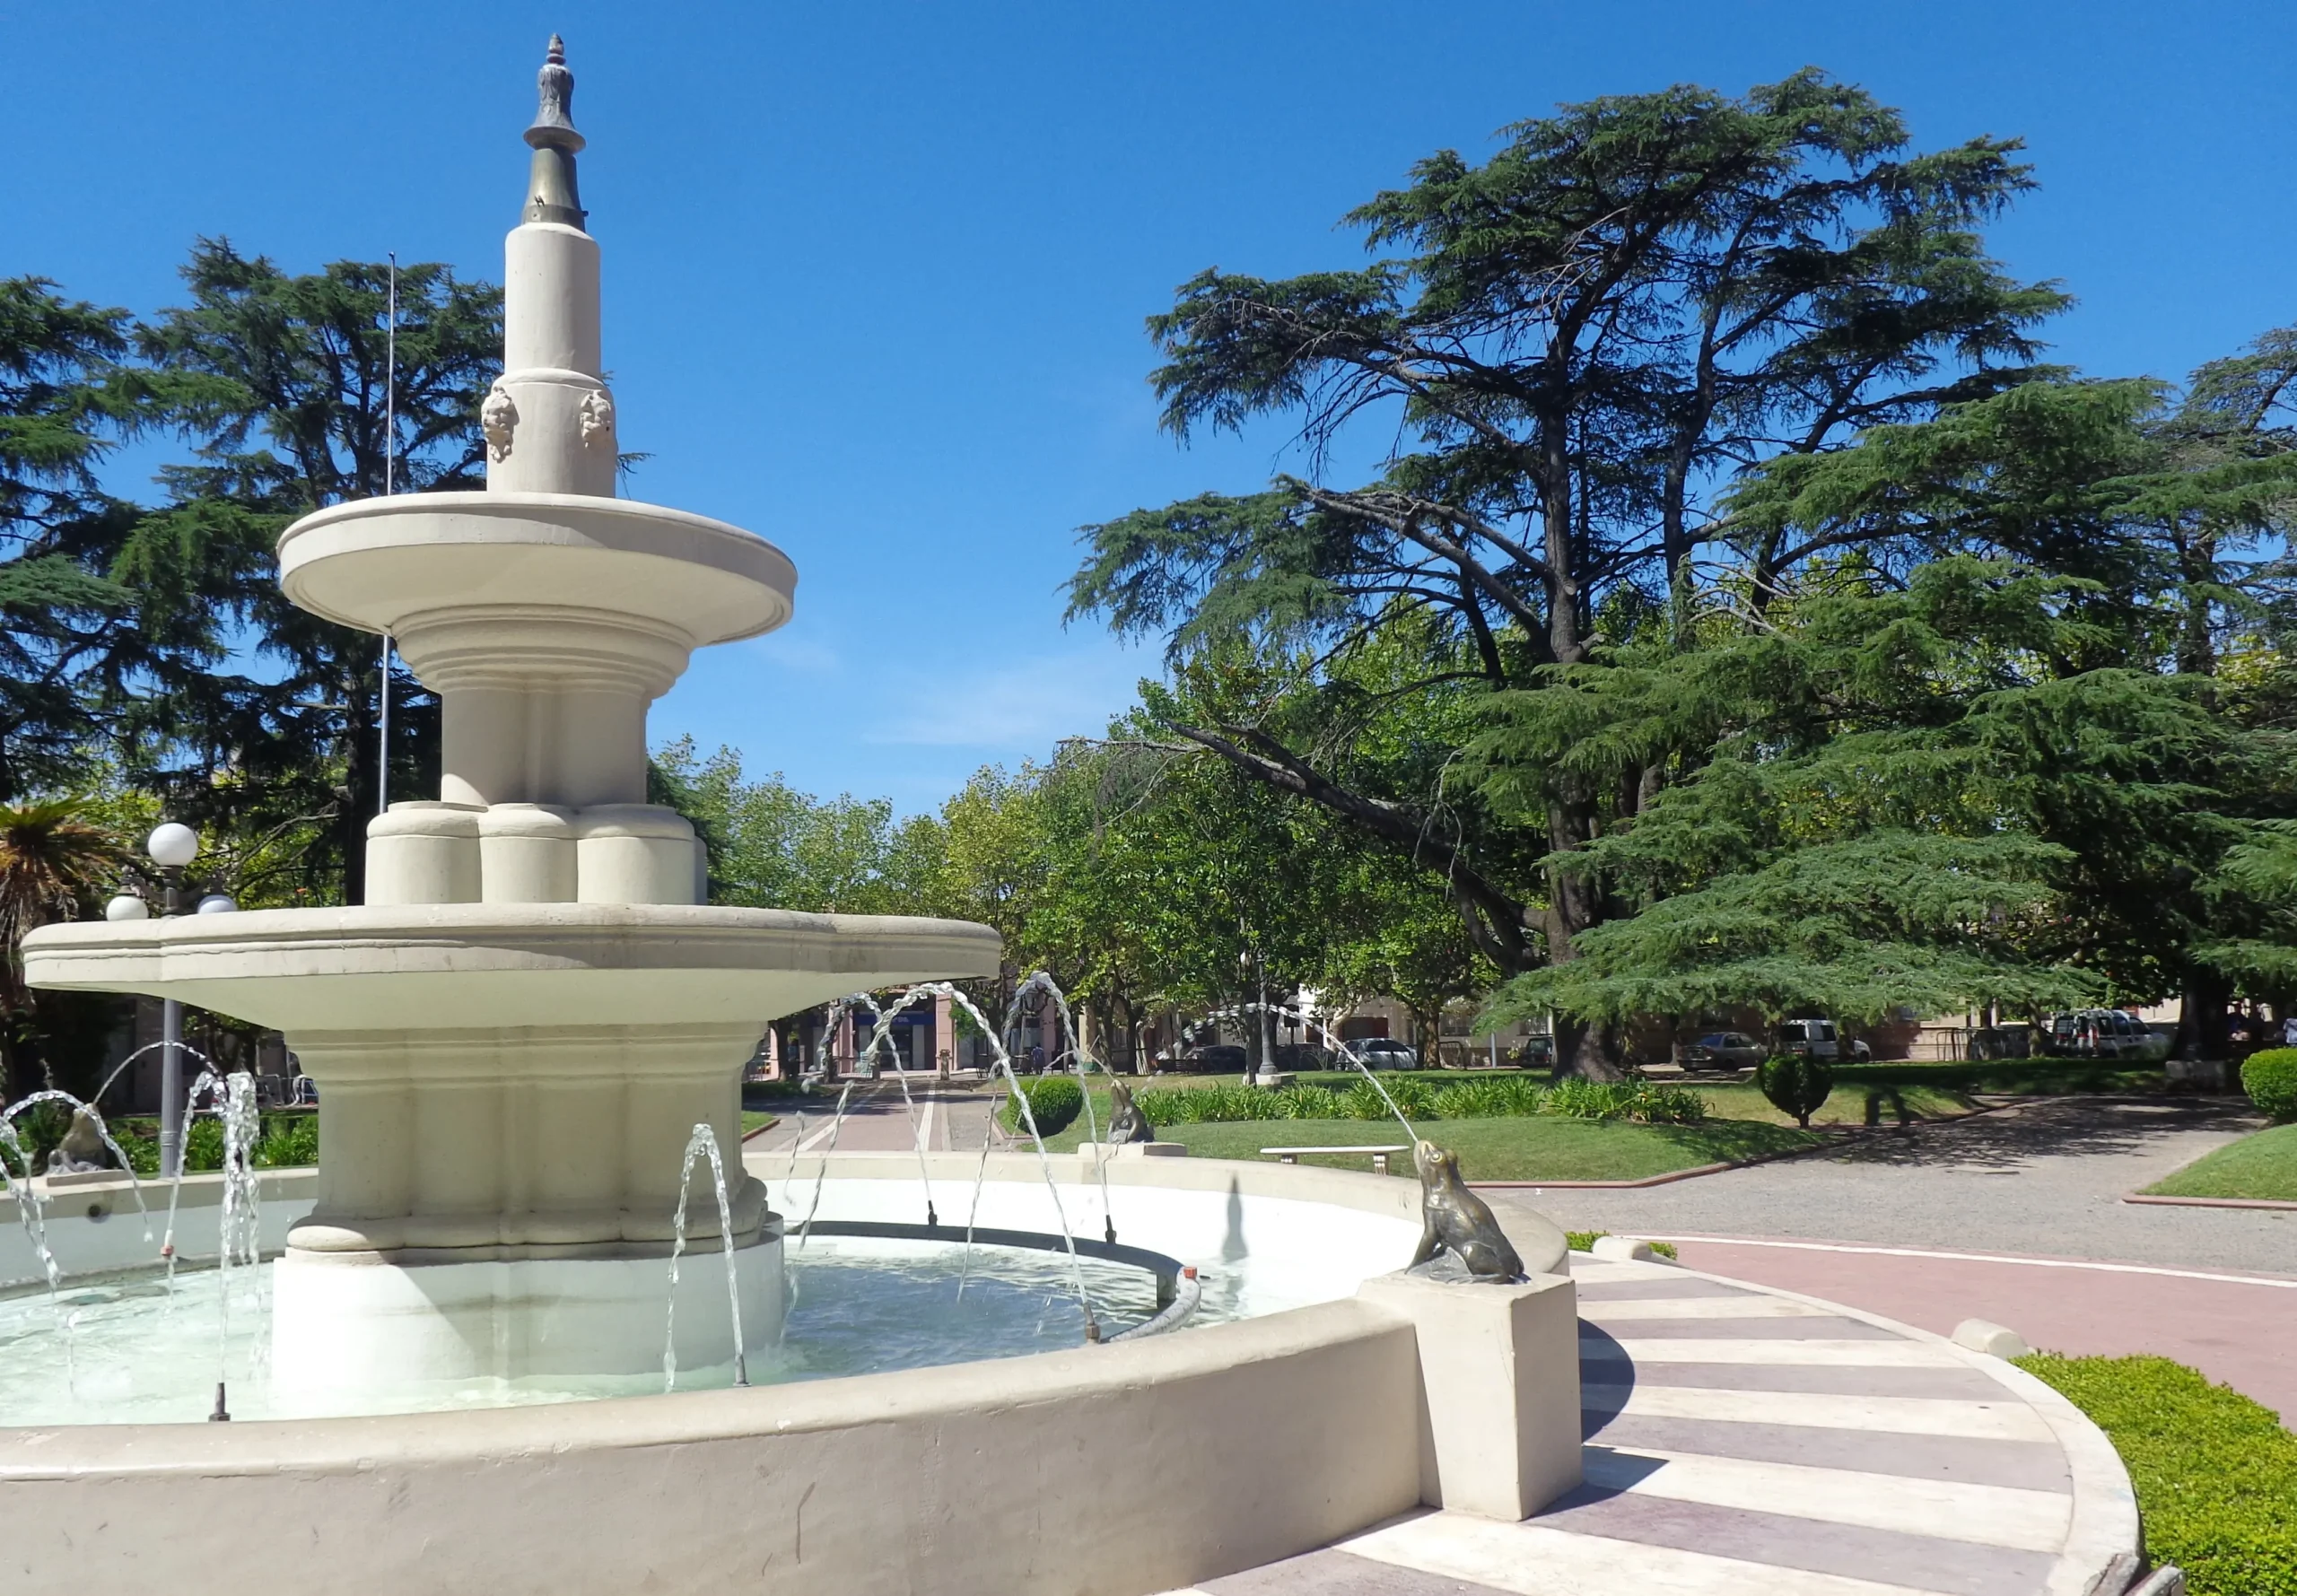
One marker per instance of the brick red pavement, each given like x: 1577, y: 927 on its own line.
x: 2237, y: 1328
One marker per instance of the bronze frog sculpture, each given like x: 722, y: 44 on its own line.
x: 1126, y: 1122
x: 1456, y: 1221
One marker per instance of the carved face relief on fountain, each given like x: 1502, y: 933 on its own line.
x: 498, y: 418
x: 598, y: 419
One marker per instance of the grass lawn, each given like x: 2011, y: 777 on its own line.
x: 1852, y: 1103
x: 1537, y: 1149
x: 753, y: 1119
x: 2264, y: 1165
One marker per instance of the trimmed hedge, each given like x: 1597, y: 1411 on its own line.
x: 1625, y: 1100
x: 2215, y: 1473
x: 1584, y: 1241
x: 1504, y: 1097
x: 1054, y: 1102
x: 1797, y: 1084
x: 2270, y: 1078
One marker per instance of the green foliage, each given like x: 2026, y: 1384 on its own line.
x: 285, y: 1139
x: 1413, y: 1097
x: 1228, y: 1102
x: 63, y: 640
x: 289, y: 1141
x: 257, y: 718
x: 1578, y: 336
x: 1625, y: 1100
x: 1490, y: 1099
x: 1797, y: 1084
x: 2215, y: 1473
x: 1584, y: 1241
x: 2270, y: 1078
x: 1054, y: 1101
x: 773, y: 847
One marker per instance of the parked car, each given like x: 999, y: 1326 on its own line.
x: 1818, y: 1039
x: 1725, y: 1049
x: 1385, y: 1053
x: 2104, y: 1034
x: 1296, y: 1056
x: 1534, y: 1052
x: 1211, y: 1057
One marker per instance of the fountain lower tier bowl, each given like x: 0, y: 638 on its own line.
x: 416, y: 969
x: 504, y: 1083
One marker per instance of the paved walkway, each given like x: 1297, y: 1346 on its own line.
x: 2042, y: 1184
x: 1744, y: 1443
x: 2044, y: 1179
x: 877, y: 1120
x: 2240, y: 1329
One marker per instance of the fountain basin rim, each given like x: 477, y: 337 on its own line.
x: 479, y: 967
x: 370, y: 564
x: 606, y: 927
x: 361, y: 1444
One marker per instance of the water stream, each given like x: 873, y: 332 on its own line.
x: 703, y: 1142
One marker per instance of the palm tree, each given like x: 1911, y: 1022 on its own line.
x: 50, y: 861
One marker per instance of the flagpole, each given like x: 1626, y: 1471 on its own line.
x: 391, y: 486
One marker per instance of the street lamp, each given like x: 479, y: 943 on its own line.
x: 171, y: 847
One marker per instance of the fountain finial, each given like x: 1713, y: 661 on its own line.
x: 551, y: 194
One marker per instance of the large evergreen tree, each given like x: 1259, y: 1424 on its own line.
x: 1573, y: 342
x: 259, y: 716
x: 66, y: 645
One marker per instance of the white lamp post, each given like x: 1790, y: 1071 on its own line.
x: 171, y: 847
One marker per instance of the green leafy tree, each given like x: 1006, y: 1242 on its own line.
x: 52, y: 865
x: 1575, y: 341
x: 773, y: 847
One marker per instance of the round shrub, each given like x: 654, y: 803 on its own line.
x: 1796, y: 1083
x: 1054, y: 1101
x: 1666, y: 1105
x: 2270, y: 1078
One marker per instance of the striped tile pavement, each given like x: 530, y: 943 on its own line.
x: 1746, y: 1442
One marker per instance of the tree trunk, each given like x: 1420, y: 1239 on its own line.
x: 2204, y: 1030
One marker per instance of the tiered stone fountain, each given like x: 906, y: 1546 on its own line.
x: 515, y: 1034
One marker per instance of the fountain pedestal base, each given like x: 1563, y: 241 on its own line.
x: 353, y: 1333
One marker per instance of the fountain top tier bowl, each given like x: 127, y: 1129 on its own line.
x: 401, y: 565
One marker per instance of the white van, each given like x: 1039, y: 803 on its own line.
x: 1817, y: 1038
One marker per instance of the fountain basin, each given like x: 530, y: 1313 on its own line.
x: 1121, y: 1469
x: 504, y: 1091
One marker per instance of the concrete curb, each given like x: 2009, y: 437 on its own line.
x: 2210, y: 1202
x: 750, y: 1136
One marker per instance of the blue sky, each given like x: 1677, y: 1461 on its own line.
x: 876, y: 273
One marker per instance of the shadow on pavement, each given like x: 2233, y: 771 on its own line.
x: 2063, y: 1126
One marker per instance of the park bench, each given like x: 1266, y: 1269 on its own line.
x: 1379, y: 1155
